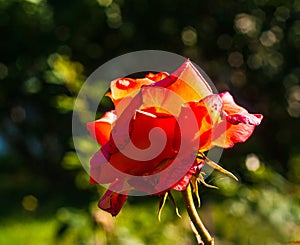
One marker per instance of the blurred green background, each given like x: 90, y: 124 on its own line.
x: 48, y: 49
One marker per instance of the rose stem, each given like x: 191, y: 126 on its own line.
x: 191, y: 209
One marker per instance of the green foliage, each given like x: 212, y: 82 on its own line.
x: 266, y: 212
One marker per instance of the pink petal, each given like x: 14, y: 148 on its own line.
x: 229, y: 105
x: 237, y: 124
x: 252, y: 119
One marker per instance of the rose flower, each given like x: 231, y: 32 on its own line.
x: 155, y: 139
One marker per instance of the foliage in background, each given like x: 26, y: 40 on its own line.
x: 48, y: 48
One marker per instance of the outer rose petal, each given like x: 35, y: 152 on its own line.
x: 252, y: 119
x: 230, y: 107
x: 112, y: 202
x: 237, y: 126
x: 100, y: 171
x: 233, y: 134
x: 100, y: 129
x: 187, y: 82
x: 123, y: 87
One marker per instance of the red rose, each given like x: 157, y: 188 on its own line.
x: 192, y: 118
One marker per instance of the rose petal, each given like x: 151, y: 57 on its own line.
x: 229, y: 105
x: 179, y: 171
x: 122, y: 87
x: 252, y: 119
x: 207, y: 112
x: 227, y: 134
x: 112, y: 202
x: 141, y: 126
x: 157, y: 76
x: 237, y: 126
x: 163, y: 100
x: 187, y: 82
x: 100, y: 129
x: 184, y: 181
x: 101, y: 172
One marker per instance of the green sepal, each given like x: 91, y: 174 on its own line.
x: 174, y: 204
x: 161, y: 205
x: 216, y: 166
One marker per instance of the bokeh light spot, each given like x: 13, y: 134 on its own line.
x: 252, y: 162
x: 255, y: 61
x: 114, y: 17
x: 71, y: 161
x: 268, y: 38
x: 235, y: 59
x: 30, y: 203
x: 104, y: 3
x: 275, y: 59
x: 189, y: 36
x: 278, y: 32
x: 34, y: 1
x: 294, y: 101
x: 290, y: 80
x: 282, y: 13
x: 246, y: 24
x: 32, y: 85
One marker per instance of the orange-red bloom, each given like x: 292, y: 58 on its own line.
x: 148, y: 103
